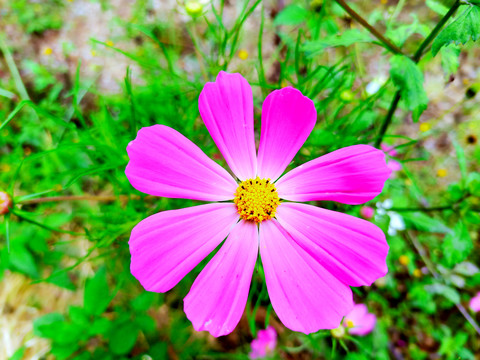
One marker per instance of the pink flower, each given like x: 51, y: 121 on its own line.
x: 311, y: 256
x: 389, y: 150
x: 394, y: 165
x: 264, y: 344
x: 5, y: 203
x: 367, y: 212
x: 474, y: 304
x: 359, y: 321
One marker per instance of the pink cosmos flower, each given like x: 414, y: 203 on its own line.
x: 264, y: 344
x: 367, y: 212
x: 474, y: 304
x: 359, y: 321
x: 311, y: 256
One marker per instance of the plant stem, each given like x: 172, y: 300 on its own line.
x: 388, y: 44
x: 419, y: 53
x: 435, y: 208
x: 416, y: 57
x: 388, y: 118
x: 413, y: 209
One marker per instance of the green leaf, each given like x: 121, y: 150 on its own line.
x: 457, y: 245
x: 100, y: 327
x: 347, y: 38
x: 143, y: 301
x: 62, y: 352
x: 462, y: 161
x: 444, y: 290
x: 450, y: 59
x: 473, y: 183
x: 436, y: 6
x: 464, y: 28
x: 291, y: 15
x: 97, y: 295
x: 409, y: 79
x: 18, y: 355
x: 123, y: 338
x: 21, y: 259
x: 423, y: 222
x: 53, y: 326
x: 466, y: 268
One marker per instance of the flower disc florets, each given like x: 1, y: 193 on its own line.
x: 256, y: 199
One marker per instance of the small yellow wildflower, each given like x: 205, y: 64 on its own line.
x: 417, y: 273
x: 466, y: 81
x: 404, y: 260
x: 93, y: 53
x: 243, y: 54
x: 109, y: 43
x: 48, y: 51
x: 424, y: 127
x: 442, y: 173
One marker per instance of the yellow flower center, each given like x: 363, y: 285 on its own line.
x: 350, y: 323
x: 256, y: 199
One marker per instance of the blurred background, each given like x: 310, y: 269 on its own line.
x: 79, y: 78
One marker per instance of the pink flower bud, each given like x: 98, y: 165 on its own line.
x: 264, y: 344
x: 5, y: 203
x: 367, y: 212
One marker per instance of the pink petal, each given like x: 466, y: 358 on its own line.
x: 165, y: 163
x: 474, y: 303
x: 288, y: 118
x: 357, y: 314
x: 352, y: 175
x: 305, y: 296
x: 226, y: 107
x: 353, y: 250
x: 167, y: 246
x: 363, y: 321
x: 218, y: 296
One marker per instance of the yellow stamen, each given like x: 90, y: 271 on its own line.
x: 257, y: 199
x: 350, y: 323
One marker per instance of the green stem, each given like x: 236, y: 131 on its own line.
x: 431, y: 209
x: 416, y: 57
x: 388, y: 118
x: 388, y: 44
x: 13, y: 69
x: 419, y: 53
